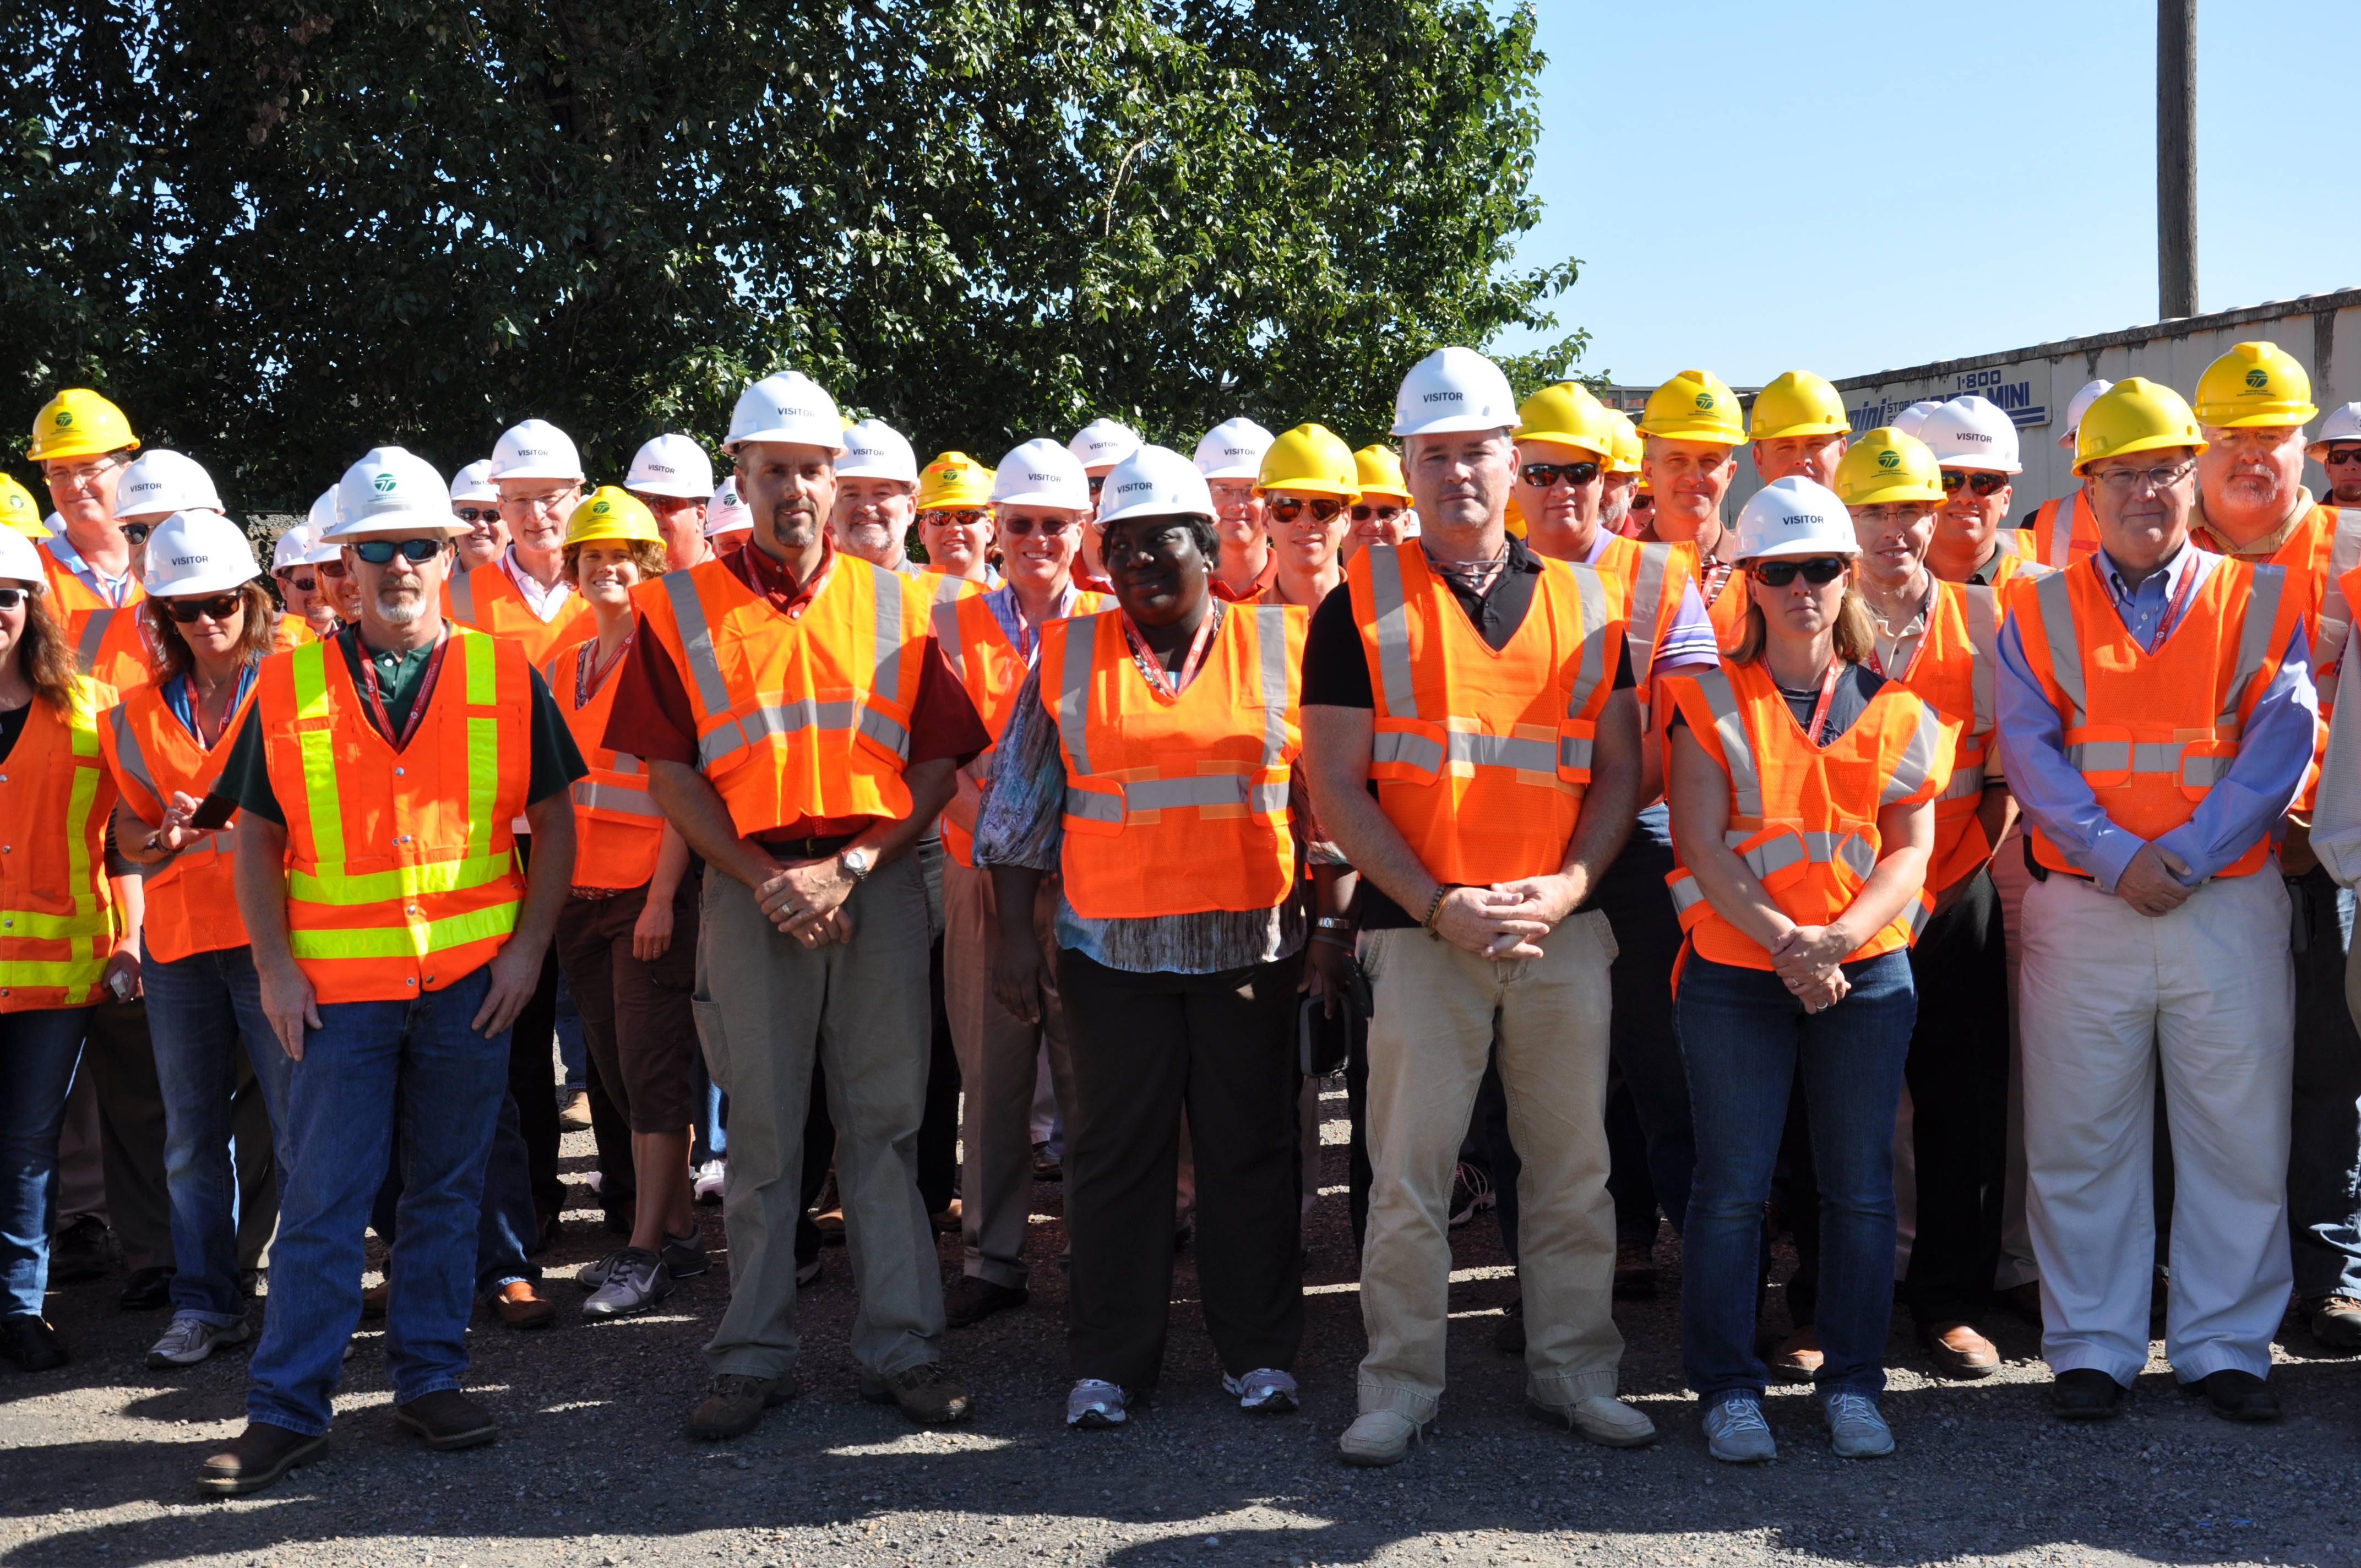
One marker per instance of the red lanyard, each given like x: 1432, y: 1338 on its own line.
x: 589, y: 678
x: 2172, y: 610
x: 1828, y: 695
x: 1153, y: 668
x: 417, y: 704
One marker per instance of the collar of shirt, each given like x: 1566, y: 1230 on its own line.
x: 1598, y: 539
x: 2143, y: 608
x: 543, y: 602
x: 175, y: 693
x: 1024, y: 636
x: 2262, y: 549
x: 1982, y: 575
x: 1254, y: 590
x: 112, y: 589
x: 775, y: 581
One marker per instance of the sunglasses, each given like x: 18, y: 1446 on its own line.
x: 1542, y: 475
x: 1383, y: 514
x: 474, y: 515
x: 1098, y: 483
x: 2343, y: 454
x: 1323, y: 508
x: 961, y: 517
x: 221, y: 607
x: 1981, y: 484
x: 417, y: 552
x: 1019, y: 527
x: 1643, y: 502
x: 11, y: 597
x: 137, y: 532
x: 1817, y: 570
x: 303, y: 585
x: 336, y: 569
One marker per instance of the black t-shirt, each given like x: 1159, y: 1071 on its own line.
x: 12, y: 724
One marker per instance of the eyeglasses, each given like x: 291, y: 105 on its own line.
x: 417, y: 552
x: 11, y: 597
x: 548, y: 500
x: 1364, y: 512
x: 1979, y: 484
x: 962, y: 517
x: 1019, y: 527
x: 2343, y: 454
x: 2124, y: 481
x: 1643, y: 501
x: 474, y: 515
x: 301, y: 585
x: 87, y: 475
x: 334, y: 569
x: 1816, y: 570
x: 1542, y: 475
x: 1287, y: 508
x: 221, y: 607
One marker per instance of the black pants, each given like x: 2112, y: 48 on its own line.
x: 533, y: 1049
x: 1646, y: 1057
x: 1145, y: 1047
x: 1958, y: 1073
x: 1359, y: 1173
x: 939, y: 1126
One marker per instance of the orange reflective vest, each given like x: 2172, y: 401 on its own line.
x: 1724, y: 600
x: 56, y: 918
x: 1802, y: 816
x: 1645, y: 589
x: 118, y: 647
x: 402, y: 872
x: 618, y: 828
x: 2063, y: 532
x: 71, y: 602
x: 1177, y: 807
x: 487, y: 600
x: 2152, y: 733
x: 1951, y: 668
x: 988, y: 664
x: 291, y: 631
x: 1481, y: 758
x: 801, y: 717
x: 191, y: 905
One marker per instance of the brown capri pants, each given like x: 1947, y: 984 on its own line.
x: 636, y: 1017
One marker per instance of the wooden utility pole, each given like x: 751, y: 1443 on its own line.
x: 2176, y: 158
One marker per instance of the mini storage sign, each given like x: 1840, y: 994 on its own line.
x: 2019, y: 392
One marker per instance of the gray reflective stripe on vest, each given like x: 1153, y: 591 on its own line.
x: 948, y: 590
x: 697, y: 642
x: 2253, y: 638
x: 1502, y: 751
x: 1271, y: 645
x: 1418, y: 751
x: 2198, y: 770
x: 2055, y: 598
x: 887, y: 681
x: 1914, y: 916
x: 1574, y: 752
x: 93, y: 632
x: 1201, y: 789
x: 592, y: 795
x: 463, y: 598
x: 1647, y: 606
x: 2058, y: 549
x: 1981, y: 608
x: 1918, y: 760
x: 2006, y: 543
x: 1073, y: 706
x: 1965, y: 782
x: 625, y: 763
x: 1792, y: 848
x: 1094, y: 806
x: 1395, y: 688
x: 129, y: 755
x: 947, y: 636
x: 1590, y: 669
x: 1745, y: 780
x: 1686, y: 893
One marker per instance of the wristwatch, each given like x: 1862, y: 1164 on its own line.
x: 857, y: 863
x: 1334, y: 923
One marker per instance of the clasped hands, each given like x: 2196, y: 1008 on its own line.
x: 1810, y: 958
x: 806, y: 900
x: 1507, y: 920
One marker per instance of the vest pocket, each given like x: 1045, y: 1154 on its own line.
x: 1408, y: 750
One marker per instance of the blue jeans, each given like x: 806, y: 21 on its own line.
x: 1743, y: 1038
x: 38, y: 1049
x: 376, y: 1077
x: 712, y: 1116
x: 506, y: 1225
x: 201, y: 1009
x: 572, y: 1052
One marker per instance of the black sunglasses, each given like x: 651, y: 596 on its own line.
x: 1981, y: 483
x: 301, y: 585
x: 137, y: 532
x: 1817, y: 570
x: 1643, y: 500
x: 1019, y: 527
x: 955, y: 517
x: 417, y: 552
x: 1363, y: 512
x: 221, y: 607
x: 1542, y: 475
x: 474, y: 515
x: 1287, y: 508
x: 2343, y: 454
x: 336, y: 569
x: 11, y: 597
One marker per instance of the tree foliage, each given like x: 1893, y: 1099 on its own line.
x: 283, y: 231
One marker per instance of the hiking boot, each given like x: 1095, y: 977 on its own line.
x: 734, y: 1405
x: 257, y: 1458
x: 924, y: 1393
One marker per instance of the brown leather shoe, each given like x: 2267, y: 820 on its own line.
x: 521, y: 1305
x: 947, y: 1222
x: 1959, y: 1351
x: 924, y: 1392
x: 2335, y: 1322
x: 735, y: 1404
x: 448, y: 1421
x: 373, y: 1299
x: 973, y: 1300
x: 1797, y: 1360
x: 1635, y: 1271
x: 257, y: 1458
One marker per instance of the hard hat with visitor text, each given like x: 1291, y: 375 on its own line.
x: 160, y: 483
x: 1103, y: 443
x: 474, y: 483
x: 197, y: 552
x: 875, y: 450
x: 1233, y: 449
x: 1454, y: 389
x: 1155, y: 481
x: 1972, y: 433
x: 536, y: 449
x: 788, y: 408
x: 671, y: 465
x: 1041, y: 473
x: 1795, y: 516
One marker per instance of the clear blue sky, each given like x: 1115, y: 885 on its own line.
x: 1756, y: 188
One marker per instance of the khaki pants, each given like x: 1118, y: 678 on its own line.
x: 1439, y: 1010
x: 766, y: 1008
x: 1000, y: 1064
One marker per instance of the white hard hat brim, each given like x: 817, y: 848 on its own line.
x: 1450, y: 424
x: 532, y: 471
x: 670, y: 489
x: 407, y: 523
x: 784, y: 438
x: 220, y: 582
x: 1978, y: 465
x: 1044, y: 499
x: 1803, y: 549
x: 1235, y: 471
x: 1151, y: 508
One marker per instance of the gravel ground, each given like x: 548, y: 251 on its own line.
x: 97, y: 1459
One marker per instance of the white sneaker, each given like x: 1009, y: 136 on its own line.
x: 711, y: 1177
x: 189, y: 1340
x: 1381, y: 1437
x: 1093, y: 1403
x: 636, y: 1280
x: 1856, y: 1430
x: 1601, y: 1418
x: 1265, y: 1388
x: 1736, y: 1434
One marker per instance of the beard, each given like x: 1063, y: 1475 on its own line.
x: 399, y: 605
x: 795, y: 526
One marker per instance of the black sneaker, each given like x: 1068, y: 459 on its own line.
x: 684, y: 1257
x: 31, y: 1343
x: 448, y: 1420
x: 83, y: 1250
x: 148, y: 1291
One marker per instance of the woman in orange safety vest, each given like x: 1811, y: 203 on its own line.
x: 59, y: 943
x: 1801, y: 787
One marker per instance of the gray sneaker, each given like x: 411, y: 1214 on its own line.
x: 685, y: 1257
x: 188, y: 1340
x: 1736, y: 1434
x: 1093, y: 1404
x: 591, y: 1275
x: 1855, y: 1428
x: 636, y: 1280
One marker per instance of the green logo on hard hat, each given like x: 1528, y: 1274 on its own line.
x: 600, y: 509
x: 1705, y: 400
x: 65, y: 418
x: 1889, y: 459
x: 384, y: 483
x: 2258, y: 380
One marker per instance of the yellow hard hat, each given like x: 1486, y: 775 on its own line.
x: 1311, y: 458
x: 19, y: 511
x: 2136, y: 414
x: 1798, y: 403
x: 954, y: 479
x: 1380, y: 471
x: 1887, y: 465
x: 1627, y: 448
x: 1695, y: 405
x: 78, y: 423
x: 2254, y: 383
x: 612, y: 513
x: 1568, y: 414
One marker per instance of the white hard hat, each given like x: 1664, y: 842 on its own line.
x: 2074, y: 411
x: 474, y: 483
x: 1041, y: 472
x: 1154, y: 481
x: 726, y: 513
x: 536, y: 449
x: 1233, y: 450
x: 674, y: 466
x: 327, y: 512
x: 1795, y: 516
x: 1910, y: 420
x: 875, y: 450
x: 1102, y: 442
x: 21, y: 564
x: 392, y: 491
x: 197, y: 552
x: 301, y: 546
x: 162, y: 482
x: 1454, y: 389
x: 2342, y: 425
x: 787, y: 407
x: 1972, y: 433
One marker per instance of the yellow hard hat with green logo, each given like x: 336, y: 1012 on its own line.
x: 1568, y: 414
x: 78, y: 423
x: 1797, y: 403
x: 954, y: 479
x: 2136, y: 414
x: 1381, y: 472
x: 1695, y: 405
x: 19, y: 511
x: 2255, y: 384
x: 612, y: 513
x: 1311, y: 458
x: 1887, y: 465
x: 1627, y: 449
